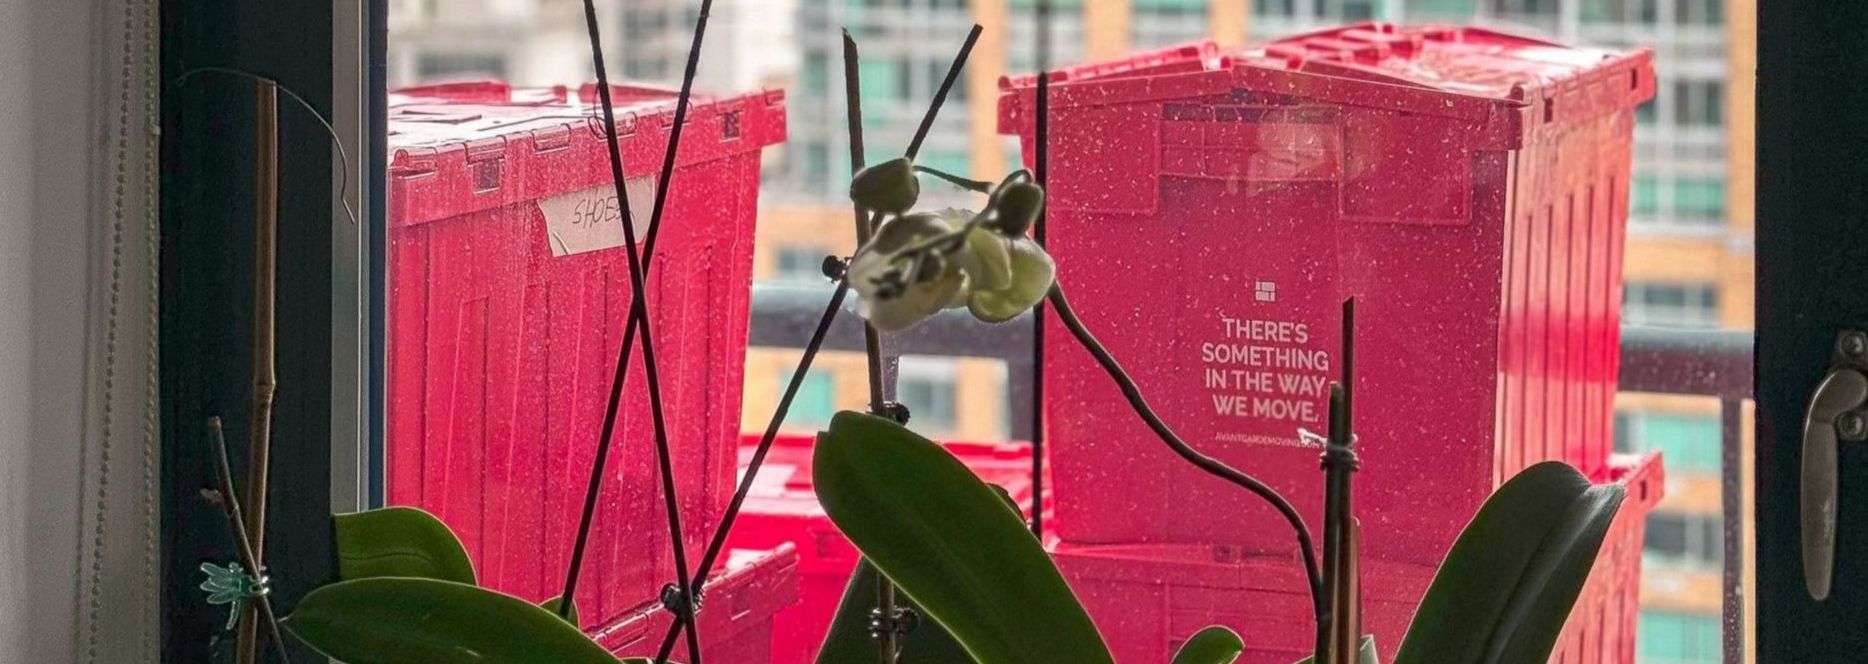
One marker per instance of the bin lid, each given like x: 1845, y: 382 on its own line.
x: 1456, y: 71
x: 474, y: 145
x: 448, y: 115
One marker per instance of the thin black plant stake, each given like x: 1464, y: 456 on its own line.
x: 865, y: 222
x: 681, y: 603
x: 853, y: 92
x: 879, y: 385
x: 718, y: 543
x: 1212, y: 466
x: 1041, y: 169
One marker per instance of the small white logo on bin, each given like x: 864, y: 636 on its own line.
x: 1265, y: 291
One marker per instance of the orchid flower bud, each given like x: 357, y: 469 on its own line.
x: 890, y: 187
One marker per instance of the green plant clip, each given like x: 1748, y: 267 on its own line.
x: 233, y: 586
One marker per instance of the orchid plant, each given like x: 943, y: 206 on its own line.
x: 920, y: 263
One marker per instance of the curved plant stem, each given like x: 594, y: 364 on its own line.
x: 1212, y: 466
x: 969, y: 184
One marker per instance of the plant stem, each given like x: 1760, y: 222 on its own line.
x: 1180, y: 447
x: 236, y: 526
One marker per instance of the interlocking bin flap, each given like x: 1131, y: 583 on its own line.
x: 461, y: 147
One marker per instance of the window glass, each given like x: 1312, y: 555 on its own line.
x: 1149, y: 228
x: 1669, y: 304
x: 926, y: 386
x: 1646, y: 195
x: 803, y: 264
x: 1699, y: 197
x: 815, y: 402
x: 460, y: 66
x: 1672, y: 637
x: 1698, y: 103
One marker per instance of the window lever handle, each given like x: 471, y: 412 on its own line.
x: 1836, y: 414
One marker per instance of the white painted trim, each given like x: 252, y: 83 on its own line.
x: 117, y: 601
x: 350, y: 270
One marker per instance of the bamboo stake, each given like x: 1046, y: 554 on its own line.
x: 265, y: 377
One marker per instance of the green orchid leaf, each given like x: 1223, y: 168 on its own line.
x: 949, y: 543
x: 552, y: 606
x: 1213, y: 645
x: 1365, y: 654
x: 1509, y: 582
x: 399, y: 541
x: 849, y: 641
x: 392, y: 620
x: 1033, y: 272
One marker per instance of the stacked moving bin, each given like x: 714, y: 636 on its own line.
x: 1209, y: 212
x: 508, y: 285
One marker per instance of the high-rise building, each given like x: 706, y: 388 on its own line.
x: 523, y: 42
x: 1688, y: 259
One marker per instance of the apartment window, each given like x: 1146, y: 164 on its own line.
x: 440, y: 66
x: 1284, y: 8
x: 1699, y: 12
x: 1173, y: 6
x: 816, y: 400
x: 1699, y: 198
x: 815, y: 73
x: 1698, y: 103
x: 816, y: 161
x: 800, y: 263
x: 1621, y: 11
x: 1646, y: 113
x: 936, y: 71
x: 945, y: 159
x: 1521, y: 7
x: 1674, y: 637
x: 1644, y: 199
x: 1694, y: 540
x: 1671, y: 305
x: 884, y: 78
x: 926, y: 385
x: 1441, y: 9
x: 1688, y: 444
x: 1349, y: 10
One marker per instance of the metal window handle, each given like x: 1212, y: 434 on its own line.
x: 1836, y: 414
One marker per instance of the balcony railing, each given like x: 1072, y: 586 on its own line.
x: 1708, y: 363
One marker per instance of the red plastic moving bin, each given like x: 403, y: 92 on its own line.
x: 736, y: 615
x: 782, y: 510
x: 508, y: 289
x: 1210, y: 213
x: 1148, y: 598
